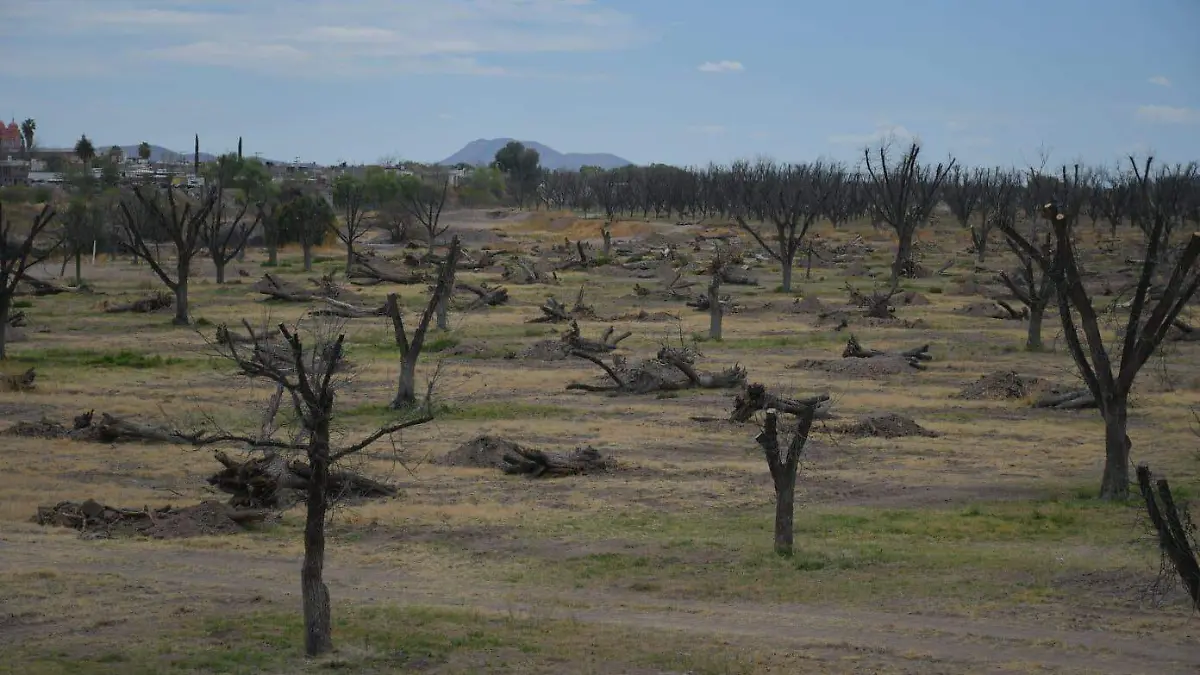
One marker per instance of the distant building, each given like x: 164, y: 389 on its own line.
x: 10, y: 138
x: 13, y: 172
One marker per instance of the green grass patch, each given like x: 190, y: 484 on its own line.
x: 125, y: 358
x: 22, y: 304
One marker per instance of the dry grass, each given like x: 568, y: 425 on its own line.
x: 993, y: 520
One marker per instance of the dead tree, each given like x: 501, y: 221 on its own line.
x: 539, y: 464
x: 1173, y: 527
x: 914, y: 356
x: 1030, y: 284
x: 350, y: 194
x: 877, y: 305
x: 784, y: 465
x: 756, y: 398
x: 370, y: 269
x: 19, y: 252
x: 967, y: 195
x: 410, y: 346
x: 309, y: 378
x: 554, y: 311
x: 485, y: 295
x: 574, y: 339
x: 671, y: 370
x: 183, y: 227
x: 1146, y: 327
x: 717, y: 269
x: 424, y: 202
x: 226, y: 231
x: 903, y: 194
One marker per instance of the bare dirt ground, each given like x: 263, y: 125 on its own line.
x: 980, y: 549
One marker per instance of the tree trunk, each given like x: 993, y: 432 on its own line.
x: 318, y: 625
x: 272, y: 253
x: 406, y: 391
x: 181, y: 295
x: 432, y: 242
x: 443, y: 314
x: 787, y: 276
x: 78, y: 268
x: 1033, y: 339
x: 1115, y: 483
x: 5, y: 306
x: 220, y: 270
x: 785, y: 510
x: 981, y: 246
x: 903, y: 255
x: 307, y: 257
x: 714, y: 307
x: 349, y: 257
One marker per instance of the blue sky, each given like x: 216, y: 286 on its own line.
x: 676, y: 81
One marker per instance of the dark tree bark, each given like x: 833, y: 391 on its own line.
x: 1030, y: 284
x: 1147, y: 324
x: 410, y: 348
x: 17, y: 255
x: 226, y: 235
x: 183, y: 227
x: 903, y: 194
x: 783, y: 465
x: 1172, y: 526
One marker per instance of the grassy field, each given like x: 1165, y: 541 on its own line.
x: 983, y: 549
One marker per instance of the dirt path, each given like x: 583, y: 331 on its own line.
x: 977, y: 645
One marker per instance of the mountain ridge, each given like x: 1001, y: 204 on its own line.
x: 482, y: 151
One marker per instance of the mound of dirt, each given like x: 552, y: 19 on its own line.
x: 807, y: 305
x: 643, y: 315
x: 484, y: 452
x: 546, y: 350
x: 43, y: 428
x: 207, y: 518
x: 885, y: 426
x: 910, y: 299
x: 880, y: 366
x: 999, y: 386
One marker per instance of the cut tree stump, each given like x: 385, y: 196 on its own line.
x: 756, y: 398
x: 538, y: 464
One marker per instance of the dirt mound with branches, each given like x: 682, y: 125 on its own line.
x: 208, y: 518
x: 484, y: 452
x: 886, y: 426
x: 807, y: 305
x: 1000, y: 386
x: 881, y: 366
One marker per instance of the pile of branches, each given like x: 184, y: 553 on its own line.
x: 485, y: 295
x: 672, y: 369
x: 108, y: 429
x: 36, y: 287
x: 573, y: 339
x: 22, y: 382
x: 270, y: 481
x: 554, y: 311
x: 876, y: 305
x: 146, y: 305
x: 539, y: 464
x: 675, y: 288
x: 279, y: 289
x: 168, y: 521
x: 914, y: 357
x: 527, y: 271
x: 369, y: 269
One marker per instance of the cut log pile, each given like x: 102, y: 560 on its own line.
x: 22, y: 382
x: 206, y: 518
x: 539, y: 464
x: 270, y: 481
x: 914, y: 357
x: 146, y: 305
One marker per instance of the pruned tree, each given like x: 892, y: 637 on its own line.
x: 20, y: 251
x: 1032, y: 285
x: 903, y: 194
x: 226, y: 230
x: 424, y: 201
x: 790, y: 197
x: 350, y: 196
x: 1110, y: 377
x: 971, y: 194
x: 783, y: 462
x: 309, y: 377
x: 182, y: 225
x: 411, y: 345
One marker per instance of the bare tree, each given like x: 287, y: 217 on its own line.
x: 410, y: 346
x: 903, y: 194
x: 784, y: 464
x: 791, y: 197
x: 967, y: 194
x: 350, y: 195
x: 19, y: 252
x: 425, y: 201
x: 182, y: 226
x: 226, y: 231
x: 1148, y: 321
x: 1029, y: 283
x: 309, y: 379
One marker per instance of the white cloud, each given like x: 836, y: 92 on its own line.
x: 1160, y: 80
x: 331, y: 37
x: 707, y: 129
x: 1165, y: 114
x: 881, y: 133
x: 721, y: 67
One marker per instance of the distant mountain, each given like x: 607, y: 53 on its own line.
x: 161, y: 154
x: 483, y: 151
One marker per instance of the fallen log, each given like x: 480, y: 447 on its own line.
x: 735, y: 277
x: 277, y: 289
x: 670, y: 370
x: 37, y: 287
x: 485, y: 296
x: 271, y: 482
x: 528, y: 272
x: 346, y: 310
x: 607, y: 343
x: 538, y: 464
x: 756, y: 398
x: 146, y: 305
x: 914, y: 356
x: 369, y: 270
x: 1075, y: 399
x: 205, y: 518
x: 22, y: 382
